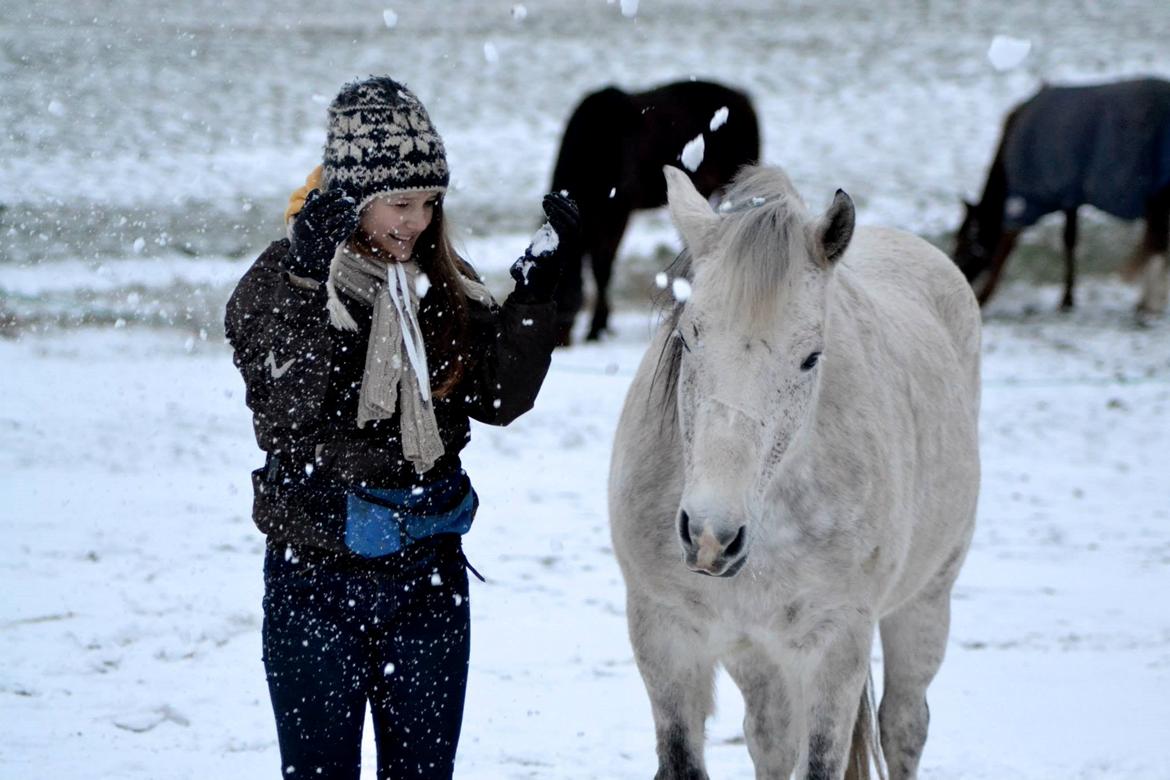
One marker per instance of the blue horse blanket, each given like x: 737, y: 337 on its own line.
x: 1106, y: 145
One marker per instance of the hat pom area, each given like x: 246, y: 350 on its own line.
x: 380, y: 139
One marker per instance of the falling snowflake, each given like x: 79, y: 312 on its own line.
x: 1015, y: 206
x: 422, y: 285
x: 681, y: 289
x: 390, y: 18
x: 692, y: 153
x: 719, y: 119
x: 1006, y: 52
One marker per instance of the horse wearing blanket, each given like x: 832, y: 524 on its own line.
x: 803, y: 431
x: 1105, y: 145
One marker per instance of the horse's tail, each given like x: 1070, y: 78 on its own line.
x: 865, y: 749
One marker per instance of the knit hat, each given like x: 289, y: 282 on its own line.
x: 380, y: 139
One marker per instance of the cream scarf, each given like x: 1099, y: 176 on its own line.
x: 396, y: 358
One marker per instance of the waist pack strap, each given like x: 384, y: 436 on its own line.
x: 467, y: 565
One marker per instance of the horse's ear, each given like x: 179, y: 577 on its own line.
x: 835, y: 229
x: 691, y: 212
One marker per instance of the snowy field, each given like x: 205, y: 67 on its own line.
x: 130, y: 627
x: 146, y: 155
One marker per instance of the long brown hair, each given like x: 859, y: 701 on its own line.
x: 442, y: 313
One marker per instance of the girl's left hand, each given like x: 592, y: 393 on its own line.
x: 557, y: 241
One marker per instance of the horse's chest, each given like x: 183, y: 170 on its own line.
x: 778, y: 624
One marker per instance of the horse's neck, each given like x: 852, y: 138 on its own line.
x: 991, y: 204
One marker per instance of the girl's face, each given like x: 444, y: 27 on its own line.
x: 394, y: 222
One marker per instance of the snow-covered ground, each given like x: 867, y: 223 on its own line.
x: 147, y: 151
x: 130, y: 625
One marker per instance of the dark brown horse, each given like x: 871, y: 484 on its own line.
x: 1106, y: 146
x: 611, y: 159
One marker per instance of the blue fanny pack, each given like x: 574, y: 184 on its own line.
x: 383, y: 521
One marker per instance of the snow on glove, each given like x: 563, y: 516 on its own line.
x: 325, y: 221
x: 558, y: 239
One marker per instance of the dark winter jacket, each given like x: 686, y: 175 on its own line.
x: 303, y: 376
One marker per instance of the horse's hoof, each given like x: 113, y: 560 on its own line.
x: 1145, y: 317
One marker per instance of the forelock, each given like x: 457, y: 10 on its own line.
x: 760, y: 231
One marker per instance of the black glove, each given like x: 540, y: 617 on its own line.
x: 539, y: 270
x: 326, y: 219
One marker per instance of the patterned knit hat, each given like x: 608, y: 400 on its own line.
x: 381, y: 140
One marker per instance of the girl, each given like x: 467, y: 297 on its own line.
x: 366, y: 344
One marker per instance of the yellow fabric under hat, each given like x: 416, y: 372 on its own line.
x: 296, y: 200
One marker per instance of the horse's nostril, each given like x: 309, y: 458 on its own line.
x: 736, y: 546
x: 684, y: 527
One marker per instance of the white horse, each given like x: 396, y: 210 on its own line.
x: 803, y: 429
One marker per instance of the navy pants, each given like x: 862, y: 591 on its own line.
x: 393, y: 632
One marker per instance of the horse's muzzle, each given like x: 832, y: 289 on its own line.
x: 711, y: 551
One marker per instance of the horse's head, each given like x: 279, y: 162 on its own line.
x: 975, y: 242
x: 748, y: 341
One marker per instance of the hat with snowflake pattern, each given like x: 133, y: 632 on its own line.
x: 380, y: 140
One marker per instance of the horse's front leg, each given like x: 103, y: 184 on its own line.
x: 914, y: 641
x: 768, y: 713
x: 679, y: 672
x: 835, y: 687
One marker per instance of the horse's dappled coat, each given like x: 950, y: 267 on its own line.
x: 822, y: 464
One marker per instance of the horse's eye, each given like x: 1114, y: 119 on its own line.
x: 810, y: 361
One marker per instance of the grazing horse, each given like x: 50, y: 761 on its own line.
x: 611, y: 159
x: 796, y: 464
x: 1107, y: 146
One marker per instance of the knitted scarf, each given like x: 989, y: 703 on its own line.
x: 395, y: 376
